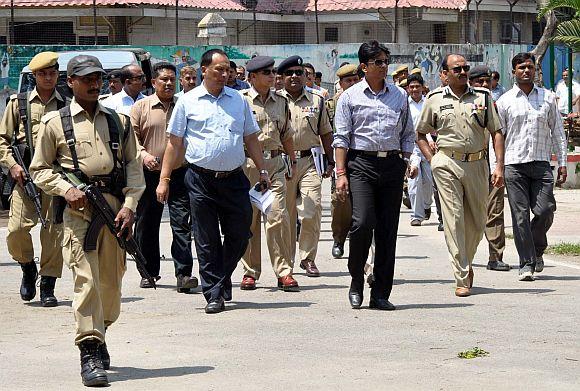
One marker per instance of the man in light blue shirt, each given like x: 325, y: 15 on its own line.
x: 133, y: 80
x: 212, y: 123
x: 373, y: 141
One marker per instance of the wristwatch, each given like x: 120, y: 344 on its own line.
x: 264, y: 172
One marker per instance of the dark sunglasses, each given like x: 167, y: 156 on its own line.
x: 267, y: 72
x: 140, y: 77
x: 379, y: 63
x: 458, y: 69
x: 297, y: 72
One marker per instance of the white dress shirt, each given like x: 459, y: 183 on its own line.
x: 562, y: 94
x: 532, y: 126
x: 121, y: 102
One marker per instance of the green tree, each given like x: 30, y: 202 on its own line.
x: 567, y: 13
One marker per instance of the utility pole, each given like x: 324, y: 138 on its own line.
x: 316, y: 16
x: 176, y: 22
x: 95, y: 22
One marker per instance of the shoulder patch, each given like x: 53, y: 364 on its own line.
x: 48, y: 116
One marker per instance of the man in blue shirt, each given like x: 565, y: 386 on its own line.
x: 212, y: 123
x: 373, y: 141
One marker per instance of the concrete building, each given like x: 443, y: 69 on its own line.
x: 272, y: 22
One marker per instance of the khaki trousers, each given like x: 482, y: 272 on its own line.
x: 495, y: 226
x: 22, y: 218
x: 304, y: 200
x: 97, y: 275
x: 277, y: 224
x: 341, y: 216
x: 462, y: 189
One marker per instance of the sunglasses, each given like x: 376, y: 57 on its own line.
x: 291, y: 72
x: 379, y: 63
x: 267, y: 72
x: 458, y: 69
x: 140, y: 77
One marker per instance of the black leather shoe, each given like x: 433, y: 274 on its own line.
x: 28, y: 284
x: 427, y: 214
x: 215, y: 306
x: 498, y: 265
x: 186, y: 283
x: 47, y: 298
x: 145, y: 283
x: 381, y: 304
x: 105, y: 357
x: 440, y: 227
x: 92, y: 372
x: 355, y: 294
x: 337, y: 250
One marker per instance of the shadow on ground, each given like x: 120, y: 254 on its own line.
x: 68, y: 303
x: 120, y: 374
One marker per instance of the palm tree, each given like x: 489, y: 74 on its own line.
x: 568, y: 14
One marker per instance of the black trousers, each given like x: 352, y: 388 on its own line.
x: 530, y: 187
x: 375, y: 188
x: 149, y: 213
x: 219, y: 203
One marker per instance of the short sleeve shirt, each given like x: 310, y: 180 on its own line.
x: 273, y: 118
x: 463, y: 123
x: 310, y: 119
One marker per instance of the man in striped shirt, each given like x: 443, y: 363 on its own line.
x: 533, y: 128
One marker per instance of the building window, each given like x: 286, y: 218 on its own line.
x: 90, y: 40
x: 44, y: 33
x: 487, y: 31
x: 439, y: 33
x: 331, y: 34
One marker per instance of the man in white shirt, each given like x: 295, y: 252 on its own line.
x: 533, y: 128
x: 562, y: 93
x: 133, y: 80
x: 420, y: 175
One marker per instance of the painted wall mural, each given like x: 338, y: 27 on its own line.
x: 325, y: 58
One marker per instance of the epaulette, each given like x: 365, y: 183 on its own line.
x: 280, y: 94
x: 482, y: 90
x: 315, y: 92
x: 435, y: 92
x: 48, y: 116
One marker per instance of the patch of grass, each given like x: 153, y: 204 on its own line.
x: 564, y: 248
x: 472, y: 353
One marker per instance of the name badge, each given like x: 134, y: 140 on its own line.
x: 446, y: 107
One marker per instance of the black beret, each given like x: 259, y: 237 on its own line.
x: 479, y: 71
x: 259, y: 62
x: 291, y: 61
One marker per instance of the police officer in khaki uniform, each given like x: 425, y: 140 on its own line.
x: 20, y: 125
x: 311, y: 125
x: 341, y: 210
x: 97, y: 274
x: 463, y: 118
x: 273, y: 116
x: 400, y: 74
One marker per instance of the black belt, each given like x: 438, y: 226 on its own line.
x: 215, y: 174
x: 301, y: 154
x: 381, y: 154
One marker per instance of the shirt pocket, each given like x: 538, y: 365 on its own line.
x: 84, y: 145
x: 447, y: 120
x: 392, y: 117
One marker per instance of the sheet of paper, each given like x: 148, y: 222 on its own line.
x: 319, y: 160
x: 262, y: 201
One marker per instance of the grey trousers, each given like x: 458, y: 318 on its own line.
x: 530, y: 187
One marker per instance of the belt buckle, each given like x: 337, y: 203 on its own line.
x: 465, y: 157
x: 382, y: 153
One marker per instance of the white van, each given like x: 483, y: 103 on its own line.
x: 110, y: 58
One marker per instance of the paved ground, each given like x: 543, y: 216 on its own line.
x: 312, y: 340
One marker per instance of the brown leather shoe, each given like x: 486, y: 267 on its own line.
x: 288, y: 284
x: 462, y: 292
x: 310, y: 267
x: 470, y: 276
x: 248, y: 283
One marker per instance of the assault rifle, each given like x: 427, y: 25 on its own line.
x: 103, y: 214
x: 18, y: 152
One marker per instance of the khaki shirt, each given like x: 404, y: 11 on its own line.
x: 331, y: 107
x: 11, y: 120
x: 307, y: 112
x: 458, y: 120
x: 149, y: 119
x: 273, y: 118
x: 94, y: 153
